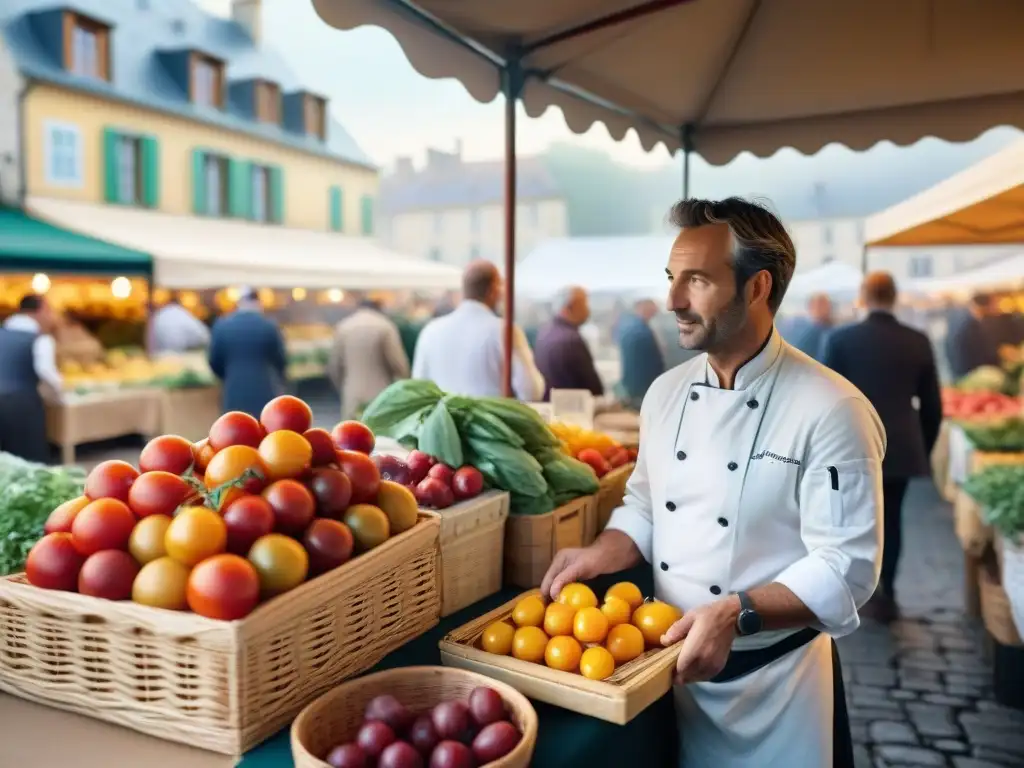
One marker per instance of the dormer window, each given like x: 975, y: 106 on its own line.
x: 206, y: 81
x: 268, y: 102
x: 86, y: 46
x: 314, y: 112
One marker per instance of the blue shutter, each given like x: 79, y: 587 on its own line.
x: 150, y: 151
x: 367, y: 211
x: 240, y: 188
x: 276, y: 194
x: 337, y: 218
x: 199, y: 182
x: 111, y: 193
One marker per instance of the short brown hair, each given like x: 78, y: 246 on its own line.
x: 762, y: 242
x: 478, y: 279
x: 879, y: 288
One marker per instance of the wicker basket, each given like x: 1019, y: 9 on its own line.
x: 335, y: 717
x: 472, y: 538
x: 221, y: 686
x: 610, y: 495
x: 632, y: 688
x: 975, y: 534
x: 531, y: 541
x: 996, y: 612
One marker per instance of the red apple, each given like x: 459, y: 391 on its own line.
x: 419, y: 464
x: 353, y: 436
x: 467, y: 483
x: 442, y: 472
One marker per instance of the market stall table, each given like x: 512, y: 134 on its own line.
x: 190, y: 411
x: 101, y: 416
x: 565, y: 738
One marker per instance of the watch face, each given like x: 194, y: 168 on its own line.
x: 749, y: 622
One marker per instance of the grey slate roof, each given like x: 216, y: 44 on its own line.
x: 144, y: 28
x: 464, y: 185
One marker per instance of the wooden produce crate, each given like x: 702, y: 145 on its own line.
x: 974, y: 533
x: 996, y: 612
x: 472, y: 546
x: 531, y: 541
x: 632, y: 688
x: 609, y: 496
x: 218, y: 685
x: 982, y: 459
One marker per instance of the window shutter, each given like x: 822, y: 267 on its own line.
x: 276, y: 194
x: 110, y: 176
x: 150, y: 171
x: 199, y: 182
x: 240, y: 188
x: 367, y: 210
x: 337, y: 221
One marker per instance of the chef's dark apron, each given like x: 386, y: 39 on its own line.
x: 742, y: 663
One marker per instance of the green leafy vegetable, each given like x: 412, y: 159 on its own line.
x: 1006, y: 436
x: 999, y: 491
x: 439, y: 437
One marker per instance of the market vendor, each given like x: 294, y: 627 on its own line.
x: 28, y: 359
x: 756, y: 495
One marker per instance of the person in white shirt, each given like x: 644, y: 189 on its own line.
x: 756, y: 496
x: 462, y: 352
x: 28, y: 358
x: 175, y: 329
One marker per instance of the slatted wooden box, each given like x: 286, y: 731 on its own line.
x: 531, y: 541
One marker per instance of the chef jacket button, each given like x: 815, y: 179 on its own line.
x: 752, y: 404
x: 732, y: 466
x: 715, y: 589
x: 664, y: 566
x: 723, y: 522
x: 680, y: 455
x: 694, y: 396
x: 670, y: 506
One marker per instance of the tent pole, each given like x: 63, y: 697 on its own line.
x: 512, y: 86
x: 864, y: 259
x: 687, y: 141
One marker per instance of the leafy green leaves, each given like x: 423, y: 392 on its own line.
x: 999, y: 491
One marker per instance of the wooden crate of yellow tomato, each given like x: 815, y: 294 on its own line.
x: 612, y: 463
x: 602, y: 659
x: 208, y: 597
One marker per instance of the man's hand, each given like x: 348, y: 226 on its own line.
x: 571, y: 565
x: 707, y: 633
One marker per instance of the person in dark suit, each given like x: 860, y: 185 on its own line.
x: 247, y: 354
x: 561, y: 354
x: 639, y: 351
x: 969, y: 342
x: 892, y: 364
x: 808, y: 333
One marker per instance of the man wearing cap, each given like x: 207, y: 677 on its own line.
x: 247, y: 354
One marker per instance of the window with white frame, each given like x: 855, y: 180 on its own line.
x: 206, y: 82
x: 85, y: 51
x: 921, y: 266
x: 215, y: 173
x: 63, y: 154
x: 129, y: 166
x: 260, y: 204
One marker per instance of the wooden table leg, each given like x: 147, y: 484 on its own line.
x: 67, y: 453
x: 972, y: 589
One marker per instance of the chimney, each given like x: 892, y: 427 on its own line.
x: 249, y: 14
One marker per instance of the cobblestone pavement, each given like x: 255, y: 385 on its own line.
x: 920, y: 690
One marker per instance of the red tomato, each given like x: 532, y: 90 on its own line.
x: 223, y: 587
x: 202, y: 452
x: 323, y: 449
x: 332, y: 490
x: 102, y: 524
x: 110, y: 480
x: 362, y: 473
x: 247, y: 518
x: 109, y: 574
x: 293, y: 506
x: 285, y: 454
x: 235, y: 428
x: 157, y: 493
x: 353, y: 436
x: 167, y: 453
x: 286, y: 412
x: 229, y: 465
x: 61, y: 518
x: 329, y: 544
x: 54, y: 563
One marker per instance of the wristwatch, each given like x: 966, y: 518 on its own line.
x: 749, y: 621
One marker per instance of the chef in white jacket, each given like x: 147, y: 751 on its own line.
x: 756, y: 497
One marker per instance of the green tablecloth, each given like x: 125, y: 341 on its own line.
x: 565, y: 738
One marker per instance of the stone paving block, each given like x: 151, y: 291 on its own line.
x: 903, y: 755
x: 1011, y: 742
x: 973, y: 762
x: 950, y: 747
x: 933, y: 720
x: 891, y: 732
x: 871, y: 675
x: 944, y: 699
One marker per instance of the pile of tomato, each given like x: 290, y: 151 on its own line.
x: 215, y: 527
x: 577, y: 634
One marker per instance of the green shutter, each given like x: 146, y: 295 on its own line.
x: 276, y: 194
x: 110, y: 139
x: 150, y: 171
x: 239, y: 188
x: 337, y: 220
x: 199, y: 182
x: 367, y: 210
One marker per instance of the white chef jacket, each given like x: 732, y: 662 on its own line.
x: 776, y: 480
x: 175, y: 329
x: 463, y: 353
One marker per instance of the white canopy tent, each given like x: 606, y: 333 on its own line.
x: 981, y: 205
x: 1000, y: 275
x: 195, y: 252
x: 624, y: 265
x: 839, y: 281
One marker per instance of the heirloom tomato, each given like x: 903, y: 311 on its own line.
x: 102, y: 524
x: 110, y: 480
x: 235, y: 428
x: 195, y: 534
x: 281, y: 563
x: 286, y: 412
x: 54, y: 563
x: 147, y: 542
x: 157, y: 493
x: 62, y: 517
x: 293, y: 506
x: 162, y: 583
x: 285, y: 454
x: 223, y: 587
x: 234, y: 462
x: 167, y: 453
